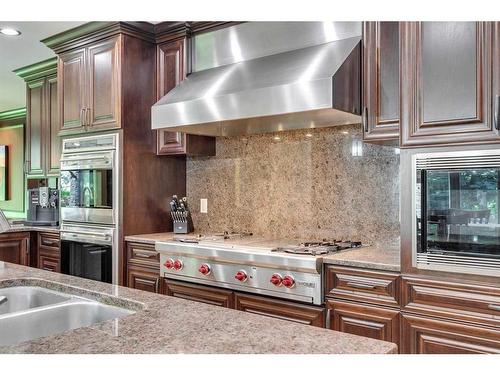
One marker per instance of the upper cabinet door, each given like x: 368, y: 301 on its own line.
x: 34, y: 130
x: 103, y: 107
x: 446, y: 83
x: 53, y: 141
x: 171, y: 71
x: 381, y: 81
x: 71, y: 90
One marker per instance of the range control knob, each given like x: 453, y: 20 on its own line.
x: 169, y: 263
x: 241, y: 275
x: 276, y: 279
x: 288, y: 281
x: 178, y: 265
x: 204, y: 269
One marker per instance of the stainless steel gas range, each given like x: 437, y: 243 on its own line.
x: 251, y: 264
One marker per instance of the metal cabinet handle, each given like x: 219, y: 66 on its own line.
x: 360, y: 286
x: 88, y: 117
x: 364, y: 119
x: 82, y: 116
x: 496, y: 118
x: 143, y: 255
x: 494, y: 307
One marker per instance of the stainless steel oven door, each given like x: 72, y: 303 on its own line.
x: 87, y: 187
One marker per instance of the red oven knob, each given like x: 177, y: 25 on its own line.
x: 288, y: 281
x: 241, y: 276
x: 276, y: 279
x: 204, y: 269
x: 178, y: 265
x: 169, y: 263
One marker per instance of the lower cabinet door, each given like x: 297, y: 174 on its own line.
x: 294, y: 312
x: 49, y: 264
x: 422, y: 335
x: 362, y: 320
x: 143, y: 279
x: 193, y: 292
x: 15, y: 248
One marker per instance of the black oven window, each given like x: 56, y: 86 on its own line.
x: 459, y: 211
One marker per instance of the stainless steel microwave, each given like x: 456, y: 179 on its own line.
x: 455, y: 210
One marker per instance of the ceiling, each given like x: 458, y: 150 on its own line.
x: 26, y: 49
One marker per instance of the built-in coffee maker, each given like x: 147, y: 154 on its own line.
x: 43, y: 206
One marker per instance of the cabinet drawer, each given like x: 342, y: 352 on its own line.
x: 198, y: 293
x: 433, y: 336
x: 49, y: 252
x: 293, y: 312
x: 478, y: 304
x: 49, y: 240
x: 380, y: 288
x: 49, y: 264
x: 363, y: 320
x: 143, y: 254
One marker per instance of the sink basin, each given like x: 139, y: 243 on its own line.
x: 31, y: 312
x: 28, y: 297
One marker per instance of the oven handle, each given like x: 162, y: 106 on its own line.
x: 86, y: 236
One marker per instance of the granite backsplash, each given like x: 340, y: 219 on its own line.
x: 304, y: 184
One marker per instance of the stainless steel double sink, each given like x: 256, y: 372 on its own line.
x: 31, y: 312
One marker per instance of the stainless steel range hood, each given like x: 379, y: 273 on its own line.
x: 262, y: 77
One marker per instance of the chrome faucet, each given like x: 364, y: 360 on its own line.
x: 3, y: 299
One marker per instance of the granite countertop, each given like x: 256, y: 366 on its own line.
x: 385, y: 257
x: 31, y: 228
x: 150, y: 238
x: 170, y: 325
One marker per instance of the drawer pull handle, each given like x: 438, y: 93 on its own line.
x: 143, y: 255
x: 494, y: 307
x: 360, y: 286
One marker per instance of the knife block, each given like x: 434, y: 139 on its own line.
x: 182, y: 222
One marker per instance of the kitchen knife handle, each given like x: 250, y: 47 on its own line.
x: 364, y: 119
x: 496, y: 118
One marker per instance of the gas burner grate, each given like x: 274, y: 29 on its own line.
x: 319, y: 247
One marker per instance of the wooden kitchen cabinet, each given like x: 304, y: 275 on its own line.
x: 448, y: 83
x: 364, y: 320
x: 15, y: 248
x: 380, y: 84
x: 49, y: 251
x: 89, y: 86
x: 171, y: 70
x: 284, y: 310
x: 423, y: 335
x: 143, y: 278
x: 198, y: 293
x: 42, y: 144
x: 143, y: 267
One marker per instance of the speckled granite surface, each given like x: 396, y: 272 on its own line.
x: 170, y: 325
x: 150, y: 238
x: 385, y: 257
x: 309, y: 184
x: 30, y: 228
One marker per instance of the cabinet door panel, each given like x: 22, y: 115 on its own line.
x: 53, y: 141
x: 431, y: 336
x: 198, y: 293
x: 104, y: 100
x: 272, y: 307
x: 71, y: 89
x: 14, y: 248
x: 446, y: 83
x: 381, y: 80
x: 34, y: 130
x: 362, y: 320
x: 143, y: 279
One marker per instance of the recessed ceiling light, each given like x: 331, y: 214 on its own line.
x: 9, y: 31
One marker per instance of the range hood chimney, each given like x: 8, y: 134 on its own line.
x: 260, y: 77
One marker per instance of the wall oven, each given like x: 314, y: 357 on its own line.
x: 455, y: 205
x: 89, y: 207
